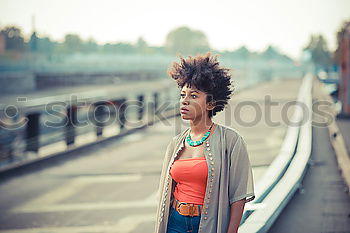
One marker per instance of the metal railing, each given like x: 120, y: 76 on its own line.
x: 286, y: 172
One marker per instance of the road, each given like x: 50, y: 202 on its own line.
x: 112, y: 186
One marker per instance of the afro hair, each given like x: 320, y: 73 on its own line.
x: 205, y: 74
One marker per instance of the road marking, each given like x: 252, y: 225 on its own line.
x: 47, y: 202
x: 124, y: 225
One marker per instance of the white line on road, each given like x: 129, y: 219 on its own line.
x: 124, y: 225
x: 47, y: 201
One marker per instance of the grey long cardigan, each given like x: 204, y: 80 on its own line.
x: 230, y: 179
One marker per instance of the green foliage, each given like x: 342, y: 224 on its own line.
x: 75, y: 53
x: 33, y: 42
x: 72, y: 43
x: 320, y: 54
x: 123, y: 48
x: 186, y: 41
x: 14, y: 39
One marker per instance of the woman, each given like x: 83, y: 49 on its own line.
x: 206, y: 177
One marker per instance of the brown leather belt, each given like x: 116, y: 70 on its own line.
x: 187, y: 209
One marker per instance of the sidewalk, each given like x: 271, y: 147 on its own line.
x: 322, y: 205
x: 344, y: 127
x: 338, y: 130
x: 341, y: 145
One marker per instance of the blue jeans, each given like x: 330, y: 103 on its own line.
x: 178, y: 223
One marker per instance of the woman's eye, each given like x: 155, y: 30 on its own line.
x: 193, y: 96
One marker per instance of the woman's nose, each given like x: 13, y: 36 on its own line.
x: 184, y: 100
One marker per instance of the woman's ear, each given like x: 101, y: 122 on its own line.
x: 211, y: 105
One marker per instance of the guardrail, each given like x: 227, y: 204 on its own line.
x: 286, y: 172
x: 152, y: 105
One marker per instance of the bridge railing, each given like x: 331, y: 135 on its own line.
x: 286, y: 172
x: 131, y: 109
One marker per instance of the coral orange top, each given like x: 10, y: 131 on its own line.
x: 191, y: 177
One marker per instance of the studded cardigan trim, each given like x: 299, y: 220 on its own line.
x: 230, y: 179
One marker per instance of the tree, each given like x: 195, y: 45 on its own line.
x: 33, y: 42
x: 320, y: 54
x: 14, y: 39
x: 90, y: 46
x: 340, y: 34
x: 242, y: 53
x: 186, y: 41
x: 72, y: 43
x: 273, y: 53
x: 141, y: 46
x: 270, y: 53
x: 45, y: 45
x: 121, y: 48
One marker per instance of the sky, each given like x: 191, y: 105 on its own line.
x: 228, y: 24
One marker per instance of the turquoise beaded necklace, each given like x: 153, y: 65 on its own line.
x: 200, y: 142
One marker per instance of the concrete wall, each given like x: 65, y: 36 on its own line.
x: 16, y: 82
x: 48, y: 80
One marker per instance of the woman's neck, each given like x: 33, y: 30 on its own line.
x: 200, y: 127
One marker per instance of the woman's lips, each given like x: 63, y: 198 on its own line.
x: 183, y: 110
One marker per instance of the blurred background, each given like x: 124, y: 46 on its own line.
x: 84, y: 96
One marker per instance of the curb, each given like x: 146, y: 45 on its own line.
x: 336, y: 138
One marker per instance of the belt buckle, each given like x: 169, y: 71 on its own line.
x: 191, y: 210
x: 178, y: 207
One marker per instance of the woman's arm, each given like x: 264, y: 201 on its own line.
x: 236, y: 211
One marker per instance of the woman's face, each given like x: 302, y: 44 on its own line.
x: 193, y: 104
